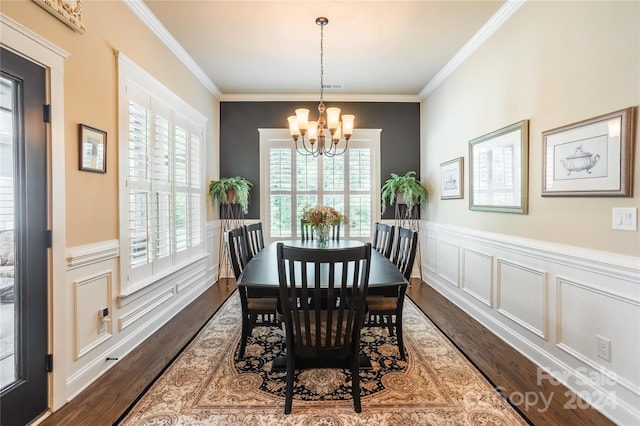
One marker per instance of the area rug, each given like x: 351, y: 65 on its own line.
x: 206, y: 385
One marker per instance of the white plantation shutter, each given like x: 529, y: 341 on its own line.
x: 296, y: 182
x: 161, y: 196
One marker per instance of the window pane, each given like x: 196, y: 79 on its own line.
x: 181, y: 222
x: 161, y: 151
x: 180, y: 159
x: 304, y: 202
x: 138, y: 229
x: 359, y: 215
x: 280, y: 169
x: 196, y: 228
x: 333, y: 174
x: 137, y: 142
x: 163, y: 224
x: 280, y: 210
x: 306, y: 173
x: 360, y: 169
x: 194, y: 161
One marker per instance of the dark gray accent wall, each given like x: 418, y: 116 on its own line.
x: 239, y: 138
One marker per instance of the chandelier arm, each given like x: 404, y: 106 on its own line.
x: 307, y: 152
x: 334, y: 149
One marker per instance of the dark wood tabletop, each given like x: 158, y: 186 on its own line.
x: 262, y: 270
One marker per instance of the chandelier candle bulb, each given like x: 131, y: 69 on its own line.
x: 347, y: 124
x: 313, y: 131
x: 302, y: 116
x: 333, y: 119
x: 293, y: 127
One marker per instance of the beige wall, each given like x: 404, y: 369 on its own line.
x: 553, y: 63
x: 90, y: 94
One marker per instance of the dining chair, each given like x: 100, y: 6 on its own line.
x: 323, y: 316
x: 258, y: 306
x: 254, y: 238
x: 307, y: 232
x: 383, y: 238
x: 385, y: 304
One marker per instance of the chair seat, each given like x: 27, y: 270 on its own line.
x: 379, y: 303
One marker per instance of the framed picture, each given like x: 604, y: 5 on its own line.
x: 93, y: 149
x: 498, y: 170
x: 451, y: 179
x: 593, y: 157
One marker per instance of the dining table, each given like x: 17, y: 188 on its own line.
x: 261, y: 272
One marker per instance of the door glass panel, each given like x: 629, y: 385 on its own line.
x: 8, y: 315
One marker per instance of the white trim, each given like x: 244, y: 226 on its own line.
x: 149, y: 19
x: 85, y: 255
x: 491, y: 26
x: 342, y: 97
x: 25, y: 42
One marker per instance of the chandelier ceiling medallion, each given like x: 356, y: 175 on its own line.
x: 309, y: 136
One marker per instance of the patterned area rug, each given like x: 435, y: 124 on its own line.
x: 207, y: 386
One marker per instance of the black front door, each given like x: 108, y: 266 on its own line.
x: 23, y: 241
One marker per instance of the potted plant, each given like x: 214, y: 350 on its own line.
x: 231, y: 190
x: 403, y: 190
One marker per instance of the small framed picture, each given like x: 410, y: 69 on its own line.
x: 590, y: 158
x: 93, y: 149
x: 451, y: 179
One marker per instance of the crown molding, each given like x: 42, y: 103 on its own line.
x: 491, y: 26
x: 149, y: 19
x: 315, y: 98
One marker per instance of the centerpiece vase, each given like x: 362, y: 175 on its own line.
x: 322, y: 236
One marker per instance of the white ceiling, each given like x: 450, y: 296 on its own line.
x: 372, y: 48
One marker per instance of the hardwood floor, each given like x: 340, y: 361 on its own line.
x: 109, y: 397
x: 106, y: 400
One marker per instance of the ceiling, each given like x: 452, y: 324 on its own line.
x: 371, y: 48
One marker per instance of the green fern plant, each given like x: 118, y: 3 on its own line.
x: 231, y: 190
x: 414, y: 193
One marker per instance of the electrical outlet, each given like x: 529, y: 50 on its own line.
x: 103, y: 320
x: 604, y: 348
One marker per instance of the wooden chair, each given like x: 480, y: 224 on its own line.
x: 385, y: 304
x: 383, y: 238
x: 307, y: 232
x: 258, y: 307
x: 323, y: 317
x: 254, y: 238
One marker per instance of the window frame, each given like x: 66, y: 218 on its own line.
x: 135, y: 84
x: 369, y: 138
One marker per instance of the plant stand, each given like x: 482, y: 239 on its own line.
x: 231, y: 216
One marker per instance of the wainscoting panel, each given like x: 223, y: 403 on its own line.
x: 93, y: 284
x: 448, y: 262
x: 522, y: 296
x: 601, y: 313
x: 477, y: 275
x: 550, y: 302
x: 92, y: 296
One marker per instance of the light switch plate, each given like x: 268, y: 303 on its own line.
x: 624, y: 218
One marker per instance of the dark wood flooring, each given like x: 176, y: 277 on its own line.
x: 107, y: 399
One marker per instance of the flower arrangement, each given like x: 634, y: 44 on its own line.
x: 322, y: 216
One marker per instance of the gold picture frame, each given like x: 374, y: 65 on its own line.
x: 93, y: 149
x: 590, y: 158
x: 499, y: 170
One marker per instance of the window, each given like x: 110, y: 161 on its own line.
x: 162, y: 179
x: 293, y: 182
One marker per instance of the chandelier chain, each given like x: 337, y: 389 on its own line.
x: 321, y: 62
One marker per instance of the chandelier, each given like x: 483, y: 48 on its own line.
x: 310, y: 137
